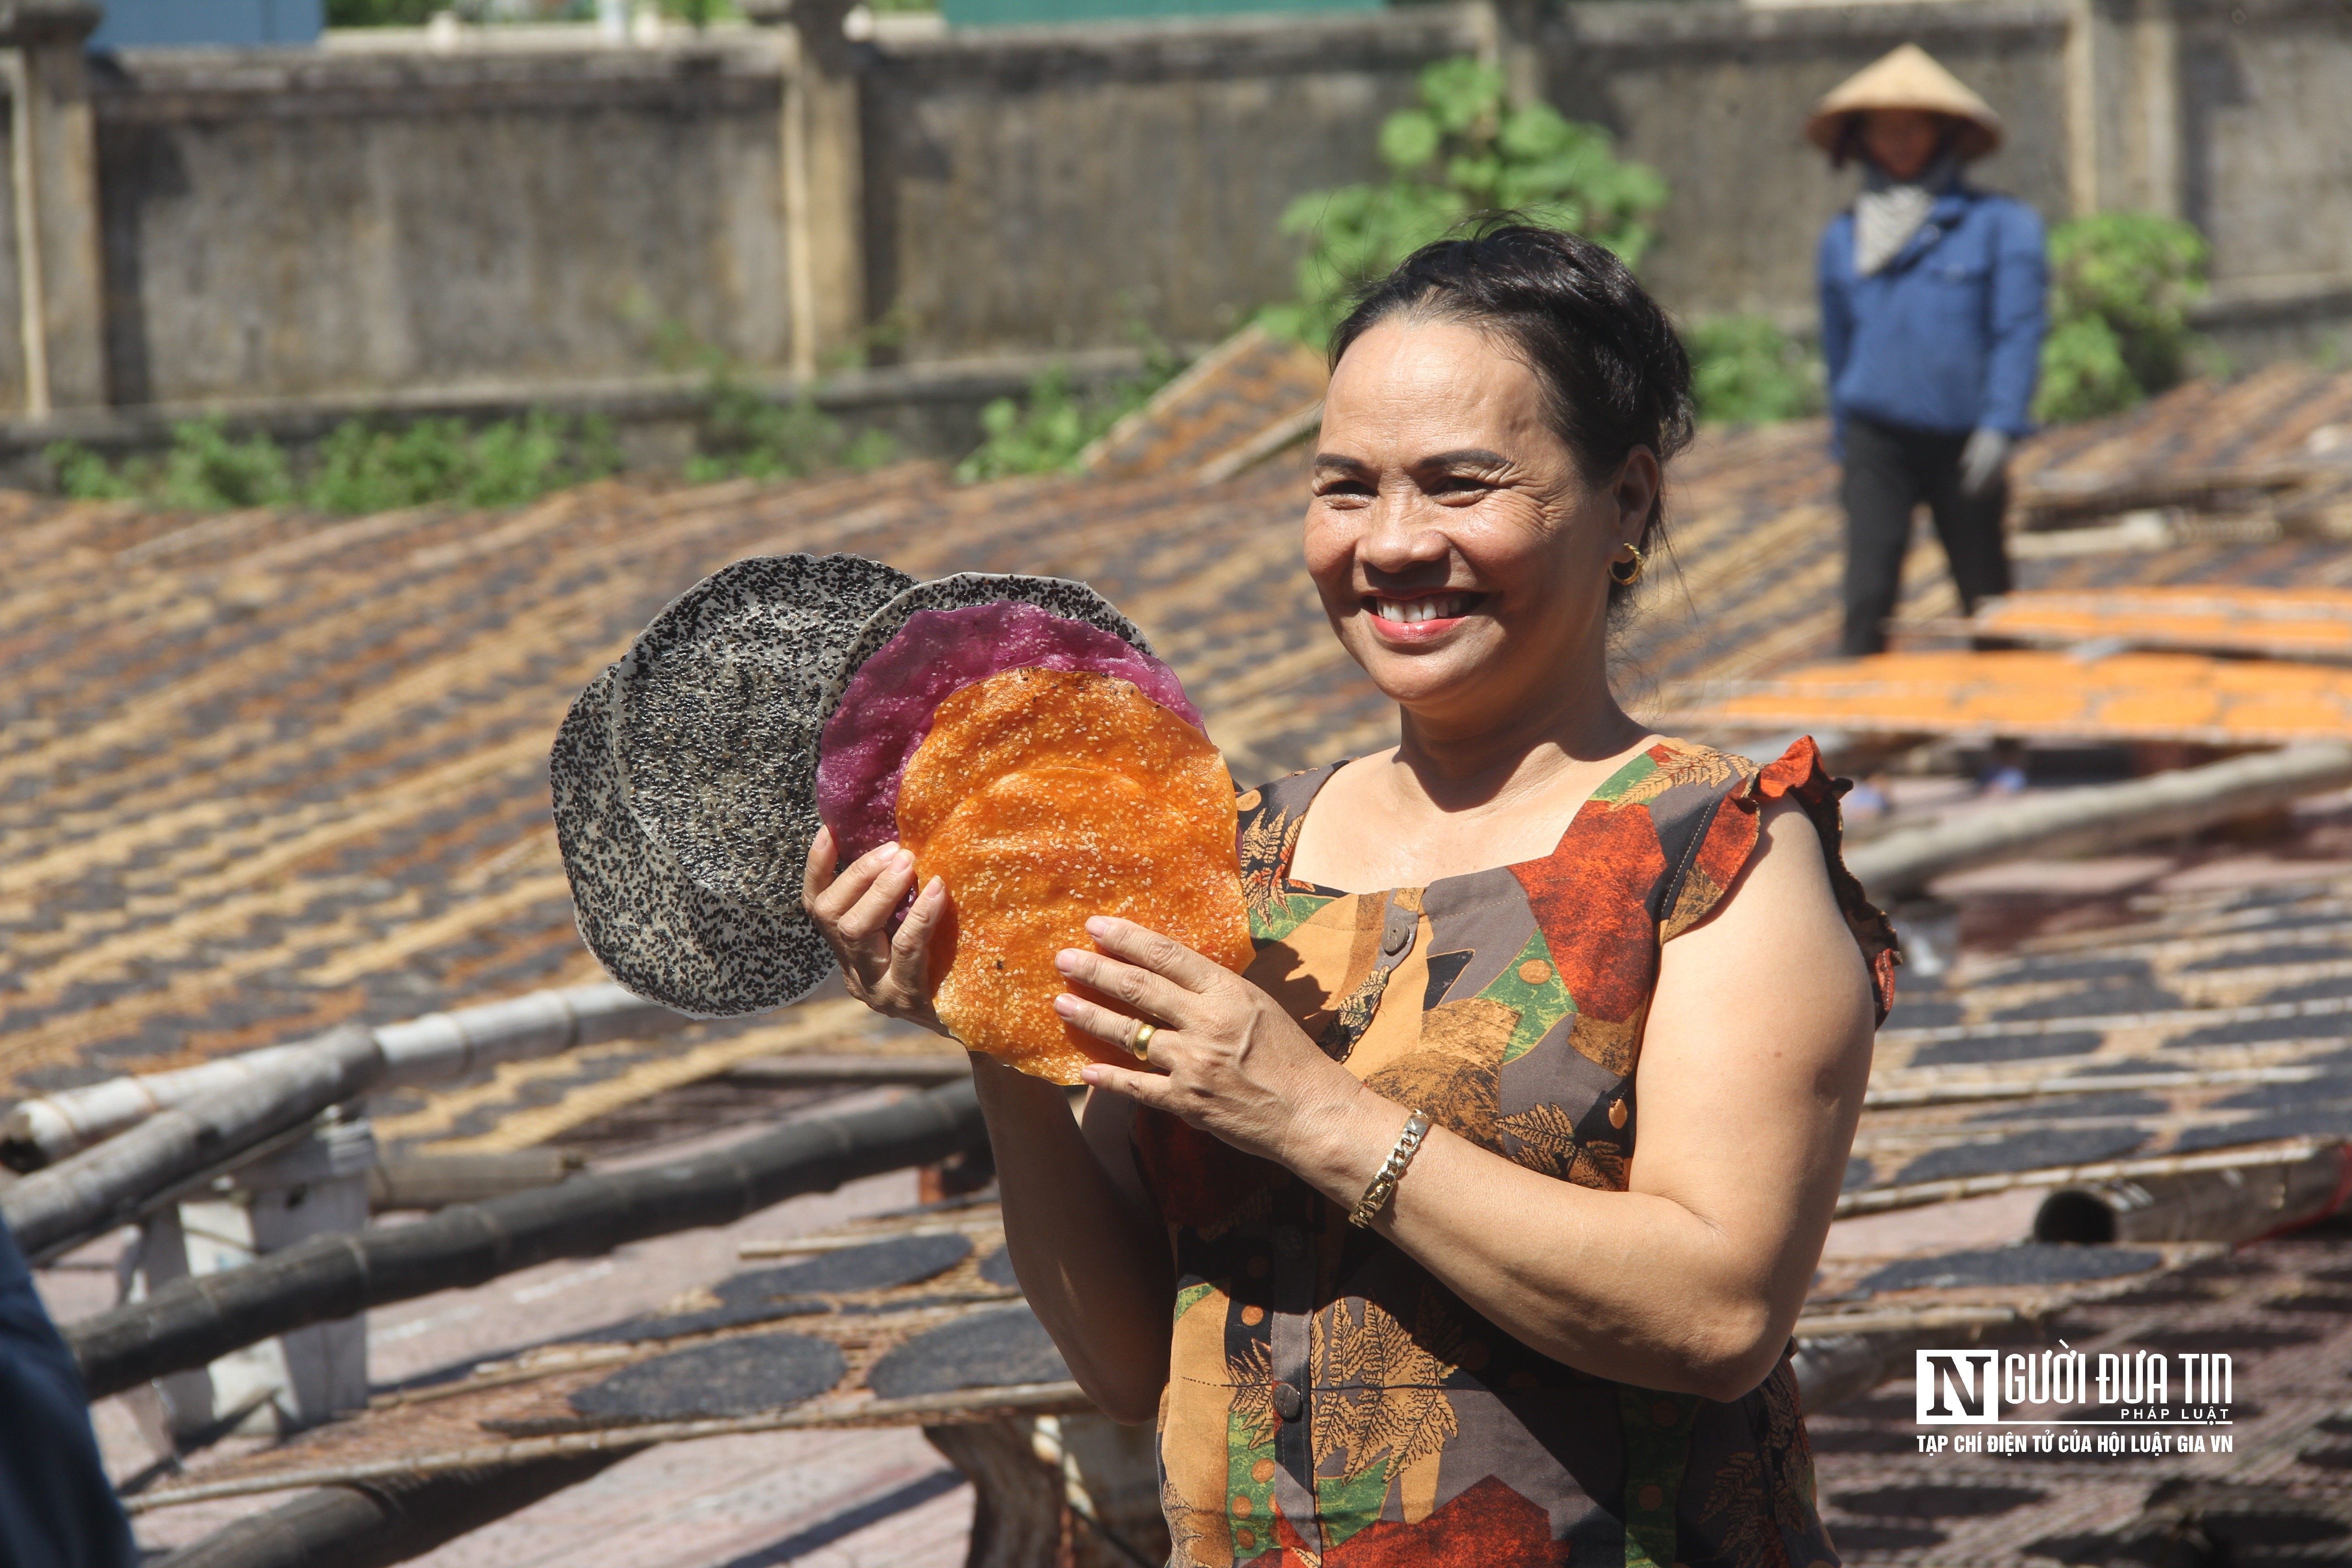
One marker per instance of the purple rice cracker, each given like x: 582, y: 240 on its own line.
x: 887, y: 706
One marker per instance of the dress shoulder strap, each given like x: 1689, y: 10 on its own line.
x: 1720, y: 850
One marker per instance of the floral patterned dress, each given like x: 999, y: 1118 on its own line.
x: 1331, y: 1402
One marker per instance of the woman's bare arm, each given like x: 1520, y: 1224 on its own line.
x: 1753, y: 1066
x: 1755, y: 1058
x: 1086, y: 1243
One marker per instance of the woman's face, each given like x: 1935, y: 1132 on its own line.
x: 1902, y: 141
x: 1462, y: 555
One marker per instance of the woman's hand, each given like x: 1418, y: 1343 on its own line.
x: 888, y: 973
x: 1223, y: 1057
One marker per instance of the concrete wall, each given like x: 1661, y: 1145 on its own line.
x: 2266, y: 166
x: 1035, y: 187
x: 310, y: 229
x: 293, y: 224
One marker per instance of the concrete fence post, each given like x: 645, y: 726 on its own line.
x: 1519, y: 45
x: 53, y: 173
x: 2125, y: 110
x: 2156, y: 60
x: 824, y: 181
x: 2082, y: 79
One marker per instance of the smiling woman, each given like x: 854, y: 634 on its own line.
x: 1428, y: 1306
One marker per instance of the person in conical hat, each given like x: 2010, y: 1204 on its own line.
x: 1932, y: 319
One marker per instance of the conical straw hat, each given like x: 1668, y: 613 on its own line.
x: 1908, y: 77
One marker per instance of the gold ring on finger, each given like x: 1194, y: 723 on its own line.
x: 1141, y: 1041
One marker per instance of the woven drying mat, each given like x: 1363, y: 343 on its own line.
x: 531, y: 1393
x: 697, y: 1320
x: 764, y: 1295
x: 737, y: 1376
x: 2023, y: 1283
x: 1996, y: 1121
x: 2212, y: 701
x: 2027, y: 1264
x: 2278, y: 623
x: 1008, y: 1345
x: 883, y: 1266
x: 2038, y: 1151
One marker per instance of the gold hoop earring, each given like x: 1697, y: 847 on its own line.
x: 1640, y: 564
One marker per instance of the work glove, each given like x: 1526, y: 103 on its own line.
x: 1982, y: 459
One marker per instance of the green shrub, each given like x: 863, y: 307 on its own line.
x: 363, y: 468
x: 2120, y: 288
x: 1746, y: 371
x: 741, y: 432
x: 83, y: 474
x: 698, y: 13
x: 1045, y: 431
x: 746, y: 434
x: 381, y: 12
x: 2083, y: 372
x: 207, y: 471
x: 201, y: 471
x: 359, y: 467
x: 1462, y: 151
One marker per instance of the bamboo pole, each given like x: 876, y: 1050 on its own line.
x: 388, y: 1519
x: 55, y: 1210
x: 2329, y: 1007
x: 1878, y: 1200
x: 2101, y: 818
x: 436, y: 1181
x: 40, y: 1131
x: 1898, y: 1097
x: 844, y: 1241
x: 2237, y: 1205
x: 198, y: 1319
x: 815, y: 1070
x: 1903, y: 1319
x: 1835, y: 1362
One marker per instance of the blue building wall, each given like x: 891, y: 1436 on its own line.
x: 162, y: 24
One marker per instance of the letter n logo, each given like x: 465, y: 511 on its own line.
x: 1961, y: 1379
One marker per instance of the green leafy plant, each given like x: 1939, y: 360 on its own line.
x: 1459, y: 152
x: 207, y: 470
x: 745, y: 433
x: 2121, y: 285
x: 1746, y: 371
x: 698, y: 13
x: 363, y: 468
x: 85, y: 476
x: 1047, y: 429
x: 359, y: 468
x: 381, y: 12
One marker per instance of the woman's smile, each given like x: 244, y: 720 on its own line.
x: 1421, y: 617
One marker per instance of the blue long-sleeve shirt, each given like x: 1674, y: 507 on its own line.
x: 1947, y: 336
x: 56, y: 1510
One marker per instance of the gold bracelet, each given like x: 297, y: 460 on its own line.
x: 1376, y: 1196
